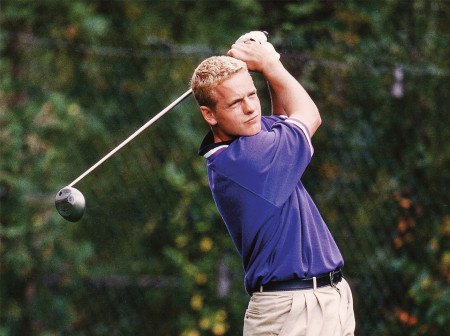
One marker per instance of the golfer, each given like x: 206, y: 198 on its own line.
x: 255, y: 164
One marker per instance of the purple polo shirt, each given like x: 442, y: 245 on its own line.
x: 274, y: 223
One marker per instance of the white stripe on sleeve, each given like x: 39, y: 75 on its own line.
x: 305, y: 131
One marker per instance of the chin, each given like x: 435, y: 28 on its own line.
x: 253, y: 131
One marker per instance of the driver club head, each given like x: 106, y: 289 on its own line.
x: 70, y: 204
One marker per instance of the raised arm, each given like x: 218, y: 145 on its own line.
x: 288, y: 95
x: 277, y: 106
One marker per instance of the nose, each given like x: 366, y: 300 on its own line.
x: 249, y: 106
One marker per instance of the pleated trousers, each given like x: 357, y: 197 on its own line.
x: 325, y: 311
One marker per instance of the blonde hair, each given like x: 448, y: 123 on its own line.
x: 210, y: 73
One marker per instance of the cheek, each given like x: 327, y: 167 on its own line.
x: 227, y: 124
x: 231, y: 119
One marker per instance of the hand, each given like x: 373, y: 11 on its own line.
x: 261, y: 38
x: 257, y: 57
x: 248, y: 49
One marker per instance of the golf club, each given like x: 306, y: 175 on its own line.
x: 70, y: 202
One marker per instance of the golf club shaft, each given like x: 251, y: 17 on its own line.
x: 132, y: 136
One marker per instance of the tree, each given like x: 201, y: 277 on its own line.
x: 151, y: 253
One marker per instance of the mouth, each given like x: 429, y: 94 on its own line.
x: 252, y: 120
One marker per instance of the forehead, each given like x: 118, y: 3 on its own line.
x: 238, y: 85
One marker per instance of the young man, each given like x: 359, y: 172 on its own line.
x: 255, y: 164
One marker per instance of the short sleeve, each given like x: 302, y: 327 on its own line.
x: 270, y: 163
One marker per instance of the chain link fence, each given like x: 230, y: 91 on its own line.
x: 151, y: 255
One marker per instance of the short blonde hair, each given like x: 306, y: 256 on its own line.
x: 210, y: 73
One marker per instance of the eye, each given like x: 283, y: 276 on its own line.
x: 235, y: 103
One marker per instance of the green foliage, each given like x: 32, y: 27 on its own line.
x: 151, y: 253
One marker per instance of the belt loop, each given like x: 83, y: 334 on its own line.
x: 314, y: 283
x: 331, y: 280
x: 261, y: 289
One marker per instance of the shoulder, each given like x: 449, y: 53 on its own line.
x: 268, y: 121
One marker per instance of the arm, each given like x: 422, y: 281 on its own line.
x: 286, y: 91
x: 277, y: 106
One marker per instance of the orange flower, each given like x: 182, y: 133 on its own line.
x: 405, y: 203
x: 403, y: 317
x: 412, y: 320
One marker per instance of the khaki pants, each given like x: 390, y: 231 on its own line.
x: 326, y: 311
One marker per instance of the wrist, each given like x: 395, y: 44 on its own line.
x: 271, y: 67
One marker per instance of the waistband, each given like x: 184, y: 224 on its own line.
x: 328, y: 279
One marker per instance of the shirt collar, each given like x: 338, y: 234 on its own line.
x: 209, y: 147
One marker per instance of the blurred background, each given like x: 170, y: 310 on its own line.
x: 151, y: 256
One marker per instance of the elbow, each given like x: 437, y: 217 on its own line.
x: 318, y: 119
x: 317, y: 122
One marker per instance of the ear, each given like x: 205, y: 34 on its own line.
x: 208, y: 115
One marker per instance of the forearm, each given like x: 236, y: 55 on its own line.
x: 289, y: 96
x: 277, y: 106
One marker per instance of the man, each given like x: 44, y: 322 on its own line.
x: 291, y: 262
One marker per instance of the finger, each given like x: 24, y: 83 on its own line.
x: 237, y: 49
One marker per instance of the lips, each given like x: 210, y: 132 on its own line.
x: 252, y: 120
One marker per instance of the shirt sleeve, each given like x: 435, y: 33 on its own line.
x: 268, y: 121
x: 304, y: 129
x: 272, y: 162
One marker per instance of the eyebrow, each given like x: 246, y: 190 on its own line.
x: 235, y: 100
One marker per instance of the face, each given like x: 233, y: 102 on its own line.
x: 238, y: 109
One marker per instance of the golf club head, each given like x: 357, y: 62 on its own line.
x: 70, y: 204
